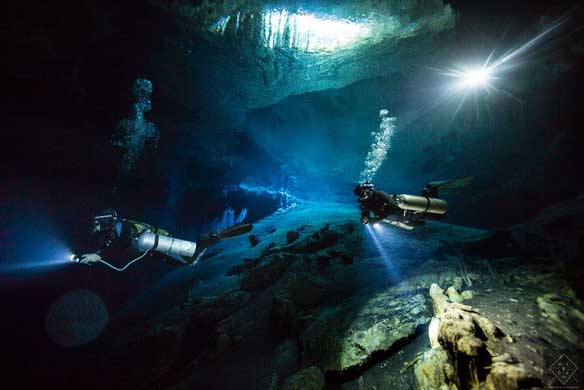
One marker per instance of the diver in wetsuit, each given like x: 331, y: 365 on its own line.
x: 404, y: 211
x: 119, y: 238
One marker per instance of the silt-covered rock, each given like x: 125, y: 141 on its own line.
x: 266, y: 272
x: 308, y: 379
x: 346, y: 338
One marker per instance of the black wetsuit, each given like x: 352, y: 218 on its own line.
x: 381, y: 205
x: 116, y: 243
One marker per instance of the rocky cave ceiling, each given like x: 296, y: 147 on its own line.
x: 250, y: 54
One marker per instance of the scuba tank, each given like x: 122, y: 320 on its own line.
x: 148, y: 241
x: 149, y: 238
x: 421, y: 204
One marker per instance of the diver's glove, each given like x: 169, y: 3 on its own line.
x: 89, y: 258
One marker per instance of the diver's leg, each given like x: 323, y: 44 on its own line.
x: 203, y: 243
x: 206, y: 240
x: 445, y: 186
x: 197, y: 256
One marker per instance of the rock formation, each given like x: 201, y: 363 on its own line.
x: 346, y: 339
x: 468, y: 351
x: 308, y: 379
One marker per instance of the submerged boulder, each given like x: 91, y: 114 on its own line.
x: 303, y: 290
x: 563, y: 317
x: 325, y: 238
x: 284, y: 316
x: 434, y: 371
x: 292, y: 236
x: 211, y: 310
x: 308, y: 379
x: 253, y: 240
x: 339, y: 241
x: 346, y: 338
x: 269, y: 269
x: 510, y: 376
x: 299, y: 293
x: 556, y: 232
x: 159, y: 351
x: 247, y: 265
x: 161, y: 348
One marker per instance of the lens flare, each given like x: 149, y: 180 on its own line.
x: 76, y: 318
x: 475, y: 78
x: 471, y: 79
x: 491, y: 75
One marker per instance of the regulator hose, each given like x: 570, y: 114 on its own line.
x: 127, y: 265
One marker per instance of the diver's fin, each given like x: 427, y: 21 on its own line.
x: 196, y: 257
x: 235, y: 230
x: 206, y: 240
x: 445, y: 186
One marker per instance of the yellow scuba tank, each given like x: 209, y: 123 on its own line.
x: 421, y: 204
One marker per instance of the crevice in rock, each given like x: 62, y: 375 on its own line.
x: 339, y: 377
x: 484, y: 361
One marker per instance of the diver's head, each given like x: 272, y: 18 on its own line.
x: 363, y: 190
x: 104, y: 220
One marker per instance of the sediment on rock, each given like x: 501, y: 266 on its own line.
x: 346, y: 340
x: 308, y: 379
x: 470, y: 351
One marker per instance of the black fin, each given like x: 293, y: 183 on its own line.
x: 446, y: 186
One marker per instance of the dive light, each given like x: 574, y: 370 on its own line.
x: 74, y: 258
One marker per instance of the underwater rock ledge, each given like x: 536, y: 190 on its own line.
x: 313, y: 319
x: 253, y: 73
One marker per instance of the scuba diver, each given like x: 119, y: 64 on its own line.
x: 117, y: 238
x: 405, y: 211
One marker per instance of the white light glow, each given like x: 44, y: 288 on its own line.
x: 475, y: 78
x: 301, y: 30
x: 308, y: 32
x: 492, y: 76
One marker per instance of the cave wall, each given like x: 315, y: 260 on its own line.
x: 522, y: 152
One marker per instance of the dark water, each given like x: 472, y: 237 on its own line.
x: 283, y: 133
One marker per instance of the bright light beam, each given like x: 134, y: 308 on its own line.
x: 523, y: 49
x: 475, y: 78
x: 46, y: 256
x: 488, y: 77
x: 469, y: 79
x: 373, y: 232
